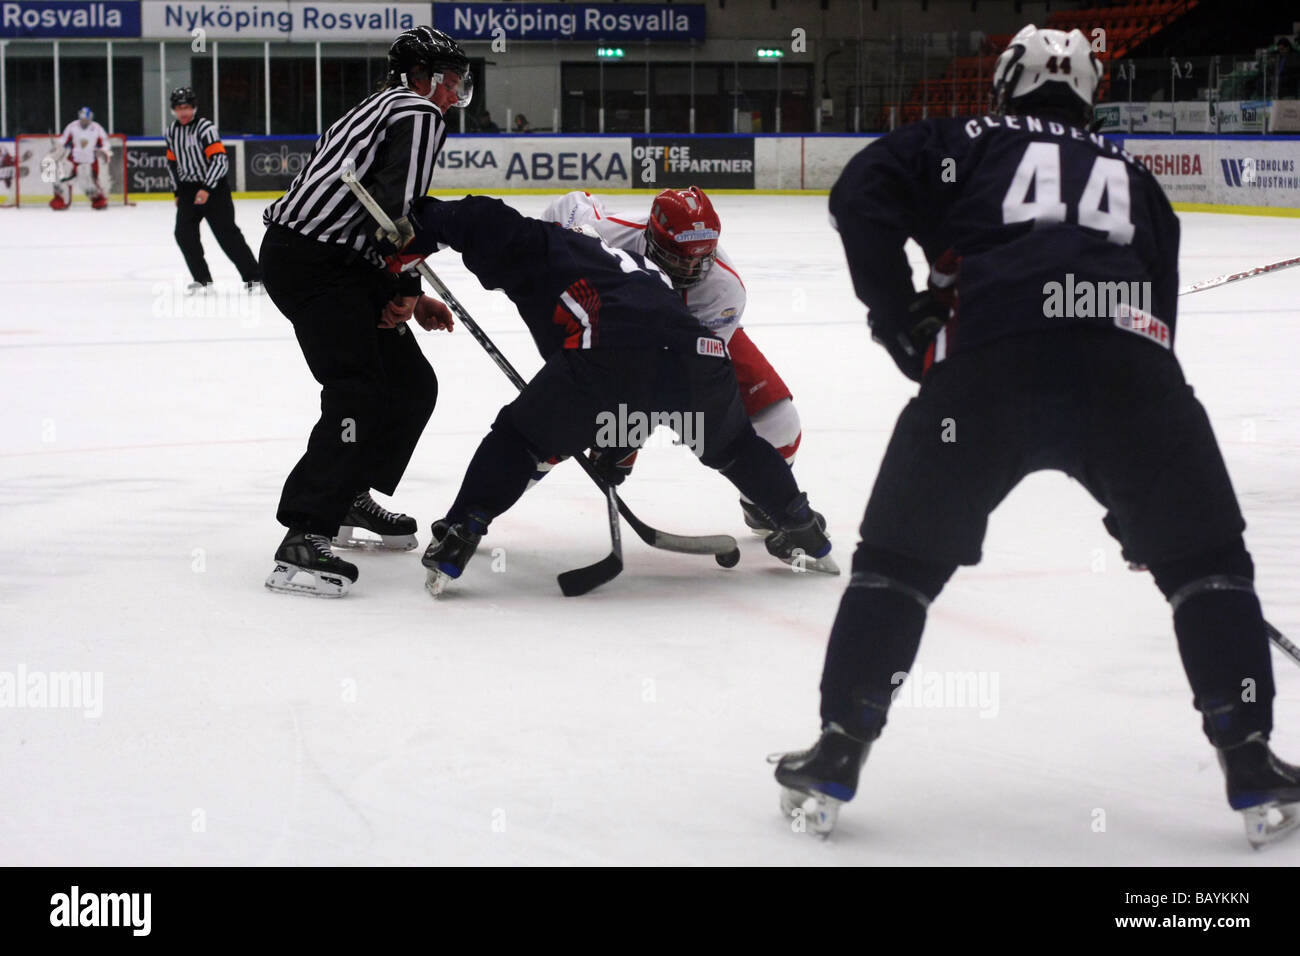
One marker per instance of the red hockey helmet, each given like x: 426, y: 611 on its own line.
x: 682, y: 234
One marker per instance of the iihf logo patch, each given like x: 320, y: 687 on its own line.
x: 714, y: 348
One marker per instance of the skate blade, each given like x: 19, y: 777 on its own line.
x: 813, y: 813
x: 291, y: 579
x: 824, y: 565
x: 435, y: 581
x: 1270, y: 822
x: 362, y: 540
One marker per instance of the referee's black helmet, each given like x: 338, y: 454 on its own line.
x: 428, y: 48
x: 184, y: 96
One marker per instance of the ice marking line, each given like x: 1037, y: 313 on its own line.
x: 145, y: 447
x: 77, y: 345
x: 273, y: 851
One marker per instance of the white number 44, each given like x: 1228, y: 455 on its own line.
x: 1040, y: 168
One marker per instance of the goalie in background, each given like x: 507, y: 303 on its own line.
x: 84, y: 146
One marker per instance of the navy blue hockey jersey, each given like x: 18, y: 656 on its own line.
x: 573, y: 291
x: 1053, y: 227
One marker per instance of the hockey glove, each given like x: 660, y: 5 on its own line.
x: 907, y: 339
x: 388, y: 244
x: 613, y: 464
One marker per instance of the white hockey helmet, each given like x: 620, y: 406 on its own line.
x: 1036, y: 58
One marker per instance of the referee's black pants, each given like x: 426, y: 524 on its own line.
x: 378, y: 390
x: 219, y: 211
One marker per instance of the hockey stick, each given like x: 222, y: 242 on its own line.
x: 1277, y: 637
x: 722, y: 547
x: 581, y: 580
x: 1238, y: 276
x: 1284, y: 645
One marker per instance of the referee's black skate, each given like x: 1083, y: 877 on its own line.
x: 388, y: 531
x: 1264, y: 788
x: 816, y: 782
x: 800, y: 539
x: 450, y: 548
x: 304, y: 564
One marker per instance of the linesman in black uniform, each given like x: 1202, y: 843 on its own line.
x: 326, y: 271
x: 196, y: 159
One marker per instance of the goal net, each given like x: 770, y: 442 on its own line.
x: 28, y: 175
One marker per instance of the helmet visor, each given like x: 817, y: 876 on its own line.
x: 461, y: 86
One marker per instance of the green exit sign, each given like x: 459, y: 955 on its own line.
x: 769, y: 53
x: 610, y: 52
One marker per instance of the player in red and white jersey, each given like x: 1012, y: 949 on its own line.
x: 85, y: 145
x: 680, y: 234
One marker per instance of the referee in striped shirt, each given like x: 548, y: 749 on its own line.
x: 197, y: 162
x: 327, y: 273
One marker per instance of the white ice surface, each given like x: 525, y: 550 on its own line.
x: 141, y: 457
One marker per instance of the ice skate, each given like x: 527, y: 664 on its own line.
x: 818, y: 781
x: 304, y: 564
x: 800, y: 539
x: 450, y: 548
x: 254, y: 286
x: 1264, y: 788
x: 381, y: 529
x: 756, y: 519
x: 196, y: 288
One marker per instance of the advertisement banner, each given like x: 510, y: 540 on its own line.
x: 570, y: 21
x: 723, y: 162
x: 1285, y: 116
x: 1252, y: 173
x: 271, y: 164
x: 535, y: 162
x: 47, y: 19
x: 283, y: 20
x: 1192, y: 117
x: 1150, y: 117
x: 146, y: 166
x: 1184, y: 167
x: 1109, y: 118
x: 1241, y: 116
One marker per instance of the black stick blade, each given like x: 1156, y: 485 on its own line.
x: 581, y: 580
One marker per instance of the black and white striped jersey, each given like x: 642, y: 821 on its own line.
x: 393, y: 138
x: 195, y: 154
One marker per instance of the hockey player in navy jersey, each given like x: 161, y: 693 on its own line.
x: 617, y: 340
x: 1046, y: 340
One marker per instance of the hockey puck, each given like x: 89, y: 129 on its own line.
x: 728, y: 560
